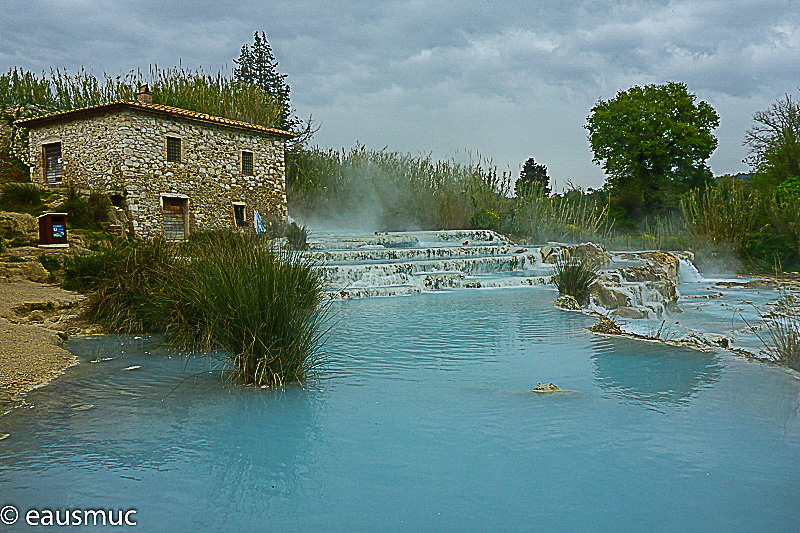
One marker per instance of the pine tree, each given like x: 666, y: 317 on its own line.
x: 532, y: 178
x: 257, y: 65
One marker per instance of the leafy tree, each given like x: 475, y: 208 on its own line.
x: 653, y: 142
x: 257, y: 65
x: 774, y: 142
x: 533, y: 177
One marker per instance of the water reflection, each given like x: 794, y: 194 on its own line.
x: 652, y: 374
x: 153, y: 431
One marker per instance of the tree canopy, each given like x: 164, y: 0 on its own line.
x: 653, y: 142
x: 532, y: 178
x: 774, y: 142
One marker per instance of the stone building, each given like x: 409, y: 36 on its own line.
x: 172, y: 170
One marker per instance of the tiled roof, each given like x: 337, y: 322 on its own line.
x: 153, y: 108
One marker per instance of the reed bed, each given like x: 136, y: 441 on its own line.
x: 404, y: 191
x: 229, y: 295
x: 195, y: 90
x: 726, y: 213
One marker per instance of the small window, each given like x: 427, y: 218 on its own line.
x: 52, y: 163
x: 247, y: 163
x: 174, y: 149
x: 238, y: 214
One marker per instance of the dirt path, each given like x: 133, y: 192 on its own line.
x: 34, y: 319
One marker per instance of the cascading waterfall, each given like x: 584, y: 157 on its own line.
x: 394, y: 264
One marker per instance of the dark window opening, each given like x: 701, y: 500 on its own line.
x: 52, y: 163
x: 173, y: 149
x: 247, y: 163
x: 238, y: 214
x: 117, y: 200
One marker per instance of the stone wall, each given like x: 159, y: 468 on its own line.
x: 125, y: 152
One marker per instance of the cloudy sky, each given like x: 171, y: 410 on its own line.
x: 503, y: 79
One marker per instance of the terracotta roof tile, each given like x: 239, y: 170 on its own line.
x: 154, y: 108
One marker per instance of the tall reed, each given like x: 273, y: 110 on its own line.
x: 782, y: 343
x: 725, y: 213
x: 542, y: 218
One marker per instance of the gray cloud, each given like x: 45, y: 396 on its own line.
x: 510, y: 79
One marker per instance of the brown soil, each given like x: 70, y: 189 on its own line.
x: 34, y: 321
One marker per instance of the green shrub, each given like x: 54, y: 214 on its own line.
x: 485, y: 219
x: 574, y: 278
x: 766, y: 251
x: 21, y: 197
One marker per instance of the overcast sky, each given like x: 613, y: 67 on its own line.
x: 506, y: 80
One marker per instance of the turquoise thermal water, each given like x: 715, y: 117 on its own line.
x: 422, y: 419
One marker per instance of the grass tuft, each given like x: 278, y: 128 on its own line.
x: 574, y: 278
x: 782, y: 343
x: 21, y: 197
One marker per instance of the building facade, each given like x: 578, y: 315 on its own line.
x: 174, y: 171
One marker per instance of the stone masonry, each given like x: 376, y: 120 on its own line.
x: 121, y: 149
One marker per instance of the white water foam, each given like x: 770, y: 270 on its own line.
x: 688, y: 273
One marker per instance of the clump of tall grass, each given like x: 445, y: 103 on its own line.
x: 128, y: 284
x: 296, y: 236
x: 85, y: 211
x: 574, y: 278
x: 219, y: 292
x: 782, y: 343
x: 21, y: 197
x: 261, y: 307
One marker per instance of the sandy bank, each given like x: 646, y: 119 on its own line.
x: 34, y: 320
